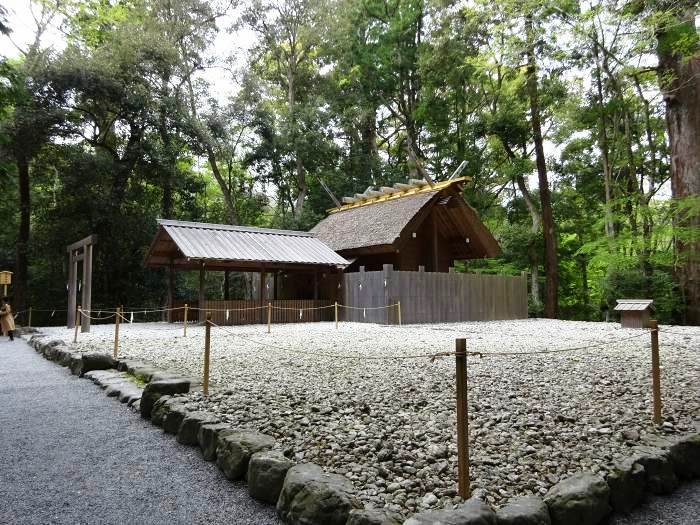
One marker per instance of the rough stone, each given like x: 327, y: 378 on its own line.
x: 685, y: 456
x: 311, y: 496
x: 524, y: 510
x: 233, y: 451
x: 156, y: 389
x: 189, y: 428
x: 208, y: 438
x: 130, y: 393
x: 96, y: 361
x: 64, y: 357
x: 626, y: 481
x: 173, y: 418
x: 373, y: 517
x: 266, y: 473
x: 582, y: 499
x: 472, y: 512
x: 75, y: 363
x: 160, y: 408
x: 660, y: 477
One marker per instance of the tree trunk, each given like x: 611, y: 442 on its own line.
x: 604, y: 150
x: 532, y: 243
x: 679, y: 79
x: 21, y: 275
x: 550, y: 248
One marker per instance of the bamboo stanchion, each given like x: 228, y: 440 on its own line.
x: 207, y: 342
x: 398, y: 306
x: 117, y: 321
x: 184, y: 323
x: 655, y: 370
x: 336, y: 315
x: 78, y: 318
x: 269, y: 317
x: 462, y: 419
x: 29, y: 322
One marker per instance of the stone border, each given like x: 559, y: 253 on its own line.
x: 304, y: 494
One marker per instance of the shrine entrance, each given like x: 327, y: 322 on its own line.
x: 80, y: 251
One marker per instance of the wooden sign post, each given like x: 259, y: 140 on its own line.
x: 5, y: 280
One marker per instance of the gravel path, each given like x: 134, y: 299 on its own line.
x: 349, y: 400
x: 681, y: 508
x: 68, y: 454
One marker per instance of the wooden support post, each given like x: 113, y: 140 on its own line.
x: 655, y: 370
x: 398, y: 306
x: 462, y: 419
x: 117, y: 322
x: 202, y: 294
x: 171, y: 293
x: 29, y: 322
x: 72, y: 293
x: 269, y: 317
x: 184, y: 323
x: 262, y: 293
x: 87, y: 287
x: 207, y: 342
x: 436, y: 252
x: 336, y: 315
x: 78, y: 315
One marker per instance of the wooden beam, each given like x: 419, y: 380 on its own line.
x: 90, y: 239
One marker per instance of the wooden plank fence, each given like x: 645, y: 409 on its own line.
x: 283, y: 311
x: 428, y: 297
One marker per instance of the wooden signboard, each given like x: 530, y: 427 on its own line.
x: 5, y: 279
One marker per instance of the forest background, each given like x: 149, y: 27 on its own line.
x: 579, y: 123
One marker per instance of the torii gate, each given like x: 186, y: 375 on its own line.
x: 80, y: 251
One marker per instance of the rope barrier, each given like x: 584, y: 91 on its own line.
x: 368, y: 307
x: 297, y: 309
x: 98, y: 318
x: 665, y: 331
x: 561, y: 350
x: 431, y: 356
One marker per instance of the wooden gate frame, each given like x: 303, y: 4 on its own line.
x: 80, y: 251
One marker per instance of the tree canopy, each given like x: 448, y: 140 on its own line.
x: 578, y: 122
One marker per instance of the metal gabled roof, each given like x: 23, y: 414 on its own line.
x: 223, y: 242
x: 636, y: 305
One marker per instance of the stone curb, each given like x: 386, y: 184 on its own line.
x: 304, y: 494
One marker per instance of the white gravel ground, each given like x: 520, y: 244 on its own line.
x: 389, y: 424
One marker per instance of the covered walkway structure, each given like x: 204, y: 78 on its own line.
x: 295, y: 269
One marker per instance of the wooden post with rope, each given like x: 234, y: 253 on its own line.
x: 78, y: 316
x: 184, y: 323
x: 336, y: 315
x: 117, y: 321
x: 398, y: 307
x: 462, y: 419
x: 29, y: 322
x: 269, y: 317
x: 207, y: 343
x: 655, y: 370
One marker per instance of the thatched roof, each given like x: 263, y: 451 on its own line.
x: 370, y: 225
x: 378, y: 220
